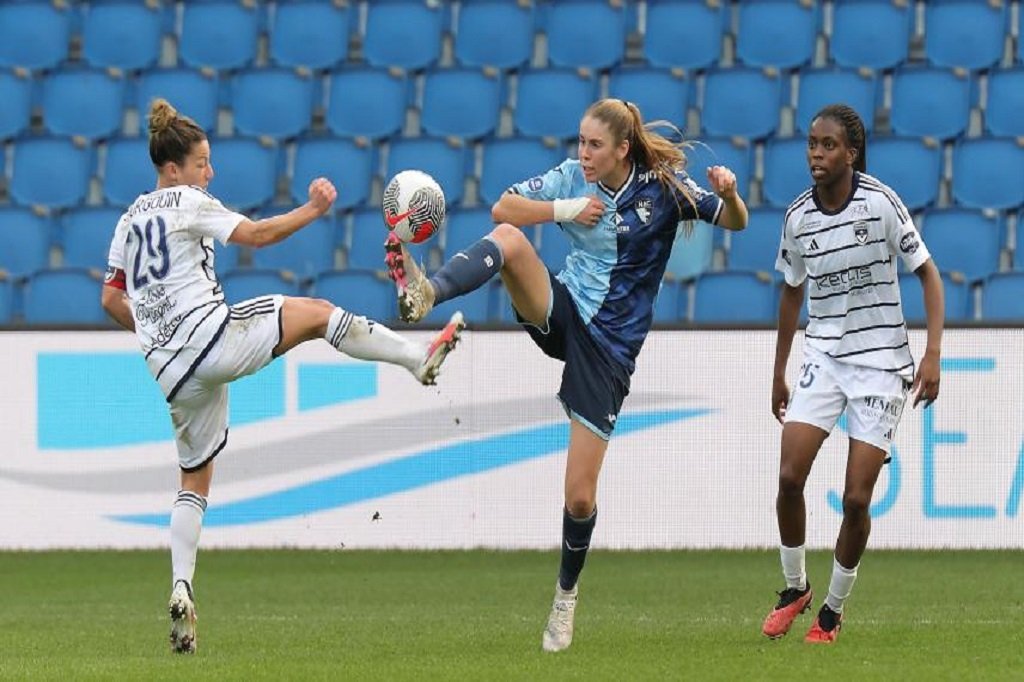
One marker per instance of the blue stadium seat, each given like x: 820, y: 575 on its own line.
x: 495, y: 33
x: 660, y: 94
x: 444, y: 160
x: 786, y: 174
x: 245, y: 172
x: 873, y: 34
x: 911, y: 166
x: 686, y: 35
x: 34, y: 35
x: 512, y: 160
x: 460, y: 102
x: 83, y: 102
x: 86, y: 234
x: 821, y: 87
x: 16, y: 113
x: 756, y: 247
x: 122, y: 35
x: 128, y: 170
x: 930, y: 102
x: 987, y: 173
x: 350, y: 166
x: 779, y: 33
x: 742, y: 102
x: 554, y: 246
x: 32, y: 179
x: 1002, y: 297
x: 226, y: 258
x: 365, y: 243
x: 538, y: 114
x: 734, y: 153
x: 192, y: 93
x: 691, y: 255
x: 241, y: 285
x: 955, y: 293
x: 367, y: 102
x: 668, y: 305
x: 24, y: 241
x: 403, y: 33
x: 273, y: 102
x: 585, y: 34
x: 6, y: 300
x: 64, y: 296
x: 964, y: 241
x: 219, y: 35
x: 1005, y: 103
x: 305, y: 253
x: 464, y: 228
x: 740, y: 297
x: 476, y: 306
x: 309, y: 34
x: 359, y: 291
x: 964, y: 33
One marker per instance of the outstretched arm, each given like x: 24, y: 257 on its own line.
x: 272, y: 230
x: 926, y: 382
x: 734, y: 211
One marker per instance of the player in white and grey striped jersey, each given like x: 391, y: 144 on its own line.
x: 840, y: 242
x: 161, y: 284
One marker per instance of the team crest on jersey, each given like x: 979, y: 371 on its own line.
x: 860, y: 231
x: 644, y: 208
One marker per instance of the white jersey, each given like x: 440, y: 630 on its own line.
x: 853, y: 307
x: 164, y: 244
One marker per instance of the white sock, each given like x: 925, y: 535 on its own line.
x: 364, y: 339
x: 186, y: 523
x: 841, y: 586
x: 794, y: 567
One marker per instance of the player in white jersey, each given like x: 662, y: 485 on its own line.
x: 840, y: 240
x: 161, y: 283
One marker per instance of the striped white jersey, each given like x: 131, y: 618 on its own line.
x: 847, y: 256
x: 164, y: 244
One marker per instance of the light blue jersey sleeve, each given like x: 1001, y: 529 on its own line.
x: 557, y: 183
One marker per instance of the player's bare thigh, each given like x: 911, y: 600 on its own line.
x: 523, y: 274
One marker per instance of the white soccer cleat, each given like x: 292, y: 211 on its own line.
x: 438, y: 350
x: 415, y: 293
x: 558, y: 633
x: 183, y: 619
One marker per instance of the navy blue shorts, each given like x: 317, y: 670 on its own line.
x: 593, y: 386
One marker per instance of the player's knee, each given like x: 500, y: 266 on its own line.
x: 856, y: 504
x: 791, y: 483
x: 511, y: 241
x: 580, y: 505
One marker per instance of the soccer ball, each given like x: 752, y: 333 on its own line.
x: 413, y: 206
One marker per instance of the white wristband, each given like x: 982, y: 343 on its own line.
x: 566, y: 210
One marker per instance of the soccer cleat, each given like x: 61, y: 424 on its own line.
x: 439, y: 348
x: 415, y: 293
x: 558, y: 633
x: 792, y: 602
x: 183, y: 619
x: 826, y: 626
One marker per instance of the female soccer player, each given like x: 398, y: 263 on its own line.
x: 161, y: 284
x: 842, y: 235
x: 619, y: 205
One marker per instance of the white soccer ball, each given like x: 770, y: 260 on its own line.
x: 413, y: 206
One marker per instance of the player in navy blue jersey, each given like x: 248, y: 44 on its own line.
x: 840, y: 240
x: 619, y: 205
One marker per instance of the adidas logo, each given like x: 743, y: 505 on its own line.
x: 813, y: 246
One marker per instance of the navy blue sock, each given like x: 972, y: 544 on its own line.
x: 467, y: 270
x: 575, y: 543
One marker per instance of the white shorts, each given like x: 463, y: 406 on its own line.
x: 873, y: 398
x: 199, y: 411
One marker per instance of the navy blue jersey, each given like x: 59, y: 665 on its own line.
x: 614, y: 269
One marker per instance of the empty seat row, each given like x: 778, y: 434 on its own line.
x: 500, y: 33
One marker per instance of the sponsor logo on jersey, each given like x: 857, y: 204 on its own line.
x: 909, y: 243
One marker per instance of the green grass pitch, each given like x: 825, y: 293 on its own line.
x: 300, y: 615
